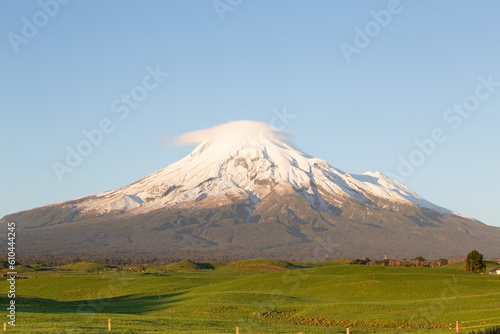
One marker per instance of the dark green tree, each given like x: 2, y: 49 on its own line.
x: 474, y: 262
x: 419, y: 259
x: 443, y: 261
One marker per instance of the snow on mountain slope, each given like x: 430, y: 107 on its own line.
x: 246, y: 159
x: 377, y: 184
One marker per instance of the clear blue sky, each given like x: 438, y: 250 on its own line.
x: 262, y: 57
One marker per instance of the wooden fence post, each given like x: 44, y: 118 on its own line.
x: 458, y: 327
x: 347, y: 330
x: 4, y: 326
x: 109, y: 325
x: 237, y: 330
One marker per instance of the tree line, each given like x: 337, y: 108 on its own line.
x: 473, y: 262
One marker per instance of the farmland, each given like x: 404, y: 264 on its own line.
x: 258, y: 296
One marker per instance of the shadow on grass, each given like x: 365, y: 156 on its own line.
x: 128, y: 304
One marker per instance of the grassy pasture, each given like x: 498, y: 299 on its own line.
x: 258, y: 296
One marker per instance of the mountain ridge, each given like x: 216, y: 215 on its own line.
x: 250, y: 164
x: 246, y: 188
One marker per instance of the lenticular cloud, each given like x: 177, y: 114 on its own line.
x: 230, y: 133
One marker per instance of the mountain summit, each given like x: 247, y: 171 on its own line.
x: 246, y: 191
x: 248, y: 160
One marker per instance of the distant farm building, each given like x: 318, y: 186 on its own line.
x: 495, y: 271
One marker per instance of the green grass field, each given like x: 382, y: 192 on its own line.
x: 258, y: 296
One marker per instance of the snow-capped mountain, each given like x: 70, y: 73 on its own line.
x: 246, y: 161
x: 246, y: 191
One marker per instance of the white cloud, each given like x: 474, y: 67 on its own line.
x: 230, y: 133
